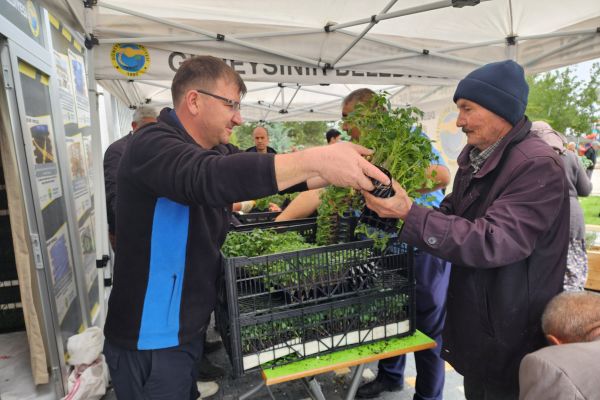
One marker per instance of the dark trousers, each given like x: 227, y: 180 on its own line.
x: 164, y: 374
x: 432, y: 275
x: 475, y: 390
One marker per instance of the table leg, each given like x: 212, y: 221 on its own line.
x: 355, y: 382
x: 314, y: 388
x: 253, y: 391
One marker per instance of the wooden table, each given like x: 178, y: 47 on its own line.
x: 356, y: 356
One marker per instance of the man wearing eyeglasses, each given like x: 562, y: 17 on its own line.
x: 176, y: 183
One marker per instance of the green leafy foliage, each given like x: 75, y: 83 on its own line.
x: 283, y: 135
x: 324, y: 324
x: 279, y: 199
x: 259, y: 242
x: 396, y: 136
x: 400, y: 147
x: 335, y: 203
x: 569, y: 105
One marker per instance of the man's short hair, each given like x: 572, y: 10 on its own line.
x: 573, y: 317
x: 262, y: 127
x: 201, y: 72
x: 359, y: 96
x: 143, y: 112
x: 331, y: 134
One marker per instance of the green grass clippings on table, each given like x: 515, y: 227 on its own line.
x: 351, y: 354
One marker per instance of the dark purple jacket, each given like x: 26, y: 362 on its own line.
x: 505, y: 230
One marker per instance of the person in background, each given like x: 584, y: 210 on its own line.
x: 579, y: 185
x: 333, y: 136
x: 504, y: 227
x: 431, y: 275
x: 590, y: 154
x: 569, y: 368
x: 572, y: 147
x: 261, y: 141
x: 176, y: 183
x: 306, y: 203
x: 142, y: 116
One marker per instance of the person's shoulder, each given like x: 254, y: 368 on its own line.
x: 118, y: 145
x: 271, y: 150
x: 569, y: 351
x: 533, y: 147
x: 251, y: 149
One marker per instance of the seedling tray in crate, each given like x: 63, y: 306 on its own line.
x: 286, y: 336
x: 284, y: 286
x: 255, y: 217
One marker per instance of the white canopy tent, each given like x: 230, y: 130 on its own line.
x: 286, y: 50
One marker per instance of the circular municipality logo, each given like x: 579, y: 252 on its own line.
x: 451, y: 137
x: 32, y: 17
x: 130, y: 59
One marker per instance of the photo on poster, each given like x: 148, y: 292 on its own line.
x: 65, y: 94
x: 89, y: 161
x: 77, y: 67
x: 88, y: 248
x: 45, y: 166
x: 62, y: 271
x: 79, y: 175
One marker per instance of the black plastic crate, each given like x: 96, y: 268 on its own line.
x: 280, y: 338
x: 285, y: 280
x: 256, y: 217
x: 301, y: 284
x: 307, y: 227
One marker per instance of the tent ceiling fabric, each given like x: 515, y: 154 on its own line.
x: 426, y: 43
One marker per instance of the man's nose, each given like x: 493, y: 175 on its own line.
x: 237, y: 118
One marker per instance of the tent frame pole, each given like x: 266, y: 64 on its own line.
x: 203, y: 38
x: 215, y: 36
x: 304, y: 88
x: 362, y: 34
x: 417, y: 52
x: 556, y: 50
x: 395, y: 14
x: 293, y: 96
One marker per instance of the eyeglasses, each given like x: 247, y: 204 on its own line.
x: 235, y: 105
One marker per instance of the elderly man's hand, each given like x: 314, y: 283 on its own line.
x: 343, y: 164
x: 396, y: 206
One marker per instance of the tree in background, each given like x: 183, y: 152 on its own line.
x: 283, y: 135
x: 308, y: 133
x: 566, y: 103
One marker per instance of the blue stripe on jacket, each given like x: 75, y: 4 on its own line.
x: 160, y: 316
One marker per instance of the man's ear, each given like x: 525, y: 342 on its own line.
x: 190, y: 102
x: 553, y: 340
x: 134, y: 125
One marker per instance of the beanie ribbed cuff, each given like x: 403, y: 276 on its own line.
x: 490, y: 97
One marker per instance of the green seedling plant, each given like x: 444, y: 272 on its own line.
x: 279, y: 199
x: 395, y: 135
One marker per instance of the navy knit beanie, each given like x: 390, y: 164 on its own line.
x: 499, y: 87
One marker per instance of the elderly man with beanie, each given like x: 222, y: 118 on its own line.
x: 504, y: 228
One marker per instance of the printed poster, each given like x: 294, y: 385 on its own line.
x: 62, y: 271
x: 65, y: 87
x: 89, y: 162
x: 81, y: 91
x: 44, y: 156
x: 86, y: 236
x: 79, y: 175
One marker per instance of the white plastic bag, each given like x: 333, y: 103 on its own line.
x: 85, y: 347
x: 89, y: 377
x: 88, y: 382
